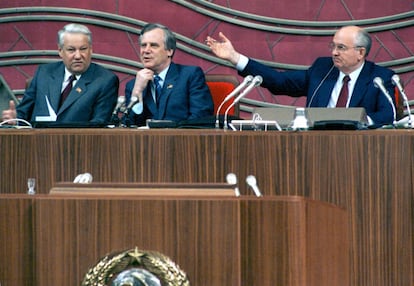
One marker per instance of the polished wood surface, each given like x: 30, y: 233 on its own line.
x: 367, y: 172
x: 197, y: 235
x: 16, y: 240
x: 312, y: 233
x: 289, y: 241
x: 145, y: 189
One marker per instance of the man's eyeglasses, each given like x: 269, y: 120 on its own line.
x: 341, y: 47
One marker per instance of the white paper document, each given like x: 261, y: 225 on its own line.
x: 52, y: 114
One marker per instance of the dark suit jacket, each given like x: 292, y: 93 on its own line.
x: 92, y: 99
x: 317, y: 82
x: 185, y: 96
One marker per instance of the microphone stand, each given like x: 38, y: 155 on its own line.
x: 125, y: 118
x: 407, y: 106
x: 257, y: 80
x: 247, y: 80
x: 396, y: 81
x: 115, y: 114
x: 379, y: 83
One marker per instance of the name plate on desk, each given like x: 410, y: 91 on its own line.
x: 145, y: 189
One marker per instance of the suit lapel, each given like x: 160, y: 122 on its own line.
x: 324, y: 93
x: 149, y: 100
x: 361, y: 85
x: 54, y: 83
x: 167, y: 88
x: 79, y: 89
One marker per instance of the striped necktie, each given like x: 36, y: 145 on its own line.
x: 158, y: 88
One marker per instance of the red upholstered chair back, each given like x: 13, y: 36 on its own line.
x: 399, y: 103
x: 220, y: 86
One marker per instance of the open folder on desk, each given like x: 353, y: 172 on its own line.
x: 319, y: 117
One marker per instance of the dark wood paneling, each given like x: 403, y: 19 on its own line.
x: 16, y: 241
x: 294, y: 242
x: 367, y: 172
x: 201, y: 236
x: 216, y: 241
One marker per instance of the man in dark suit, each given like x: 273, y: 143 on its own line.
x: 322, y: 82
x: 165, y: 90
x: 94, y: 91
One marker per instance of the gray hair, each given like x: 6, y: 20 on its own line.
x: 75, y: 29
x: 170, y: 41
x: 363, y: 39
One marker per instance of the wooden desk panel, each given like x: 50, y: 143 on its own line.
x: 284, y: 163
x: 367, y: 172
x: 216, y: 241
x: 294, y: 242
x: 201, y: 236
x: 16, y: 240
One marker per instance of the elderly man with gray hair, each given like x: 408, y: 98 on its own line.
x: 73, y: 90
x: 345, y: 79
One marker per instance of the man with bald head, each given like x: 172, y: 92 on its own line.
x: 322, y: 82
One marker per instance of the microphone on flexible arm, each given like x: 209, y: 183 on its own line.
x: 257, y: 80
x: 120, y: 102
x: 131, y: 103
x: 379, y: 83
x: 397, y: 82
x: 133, y: 100
x: 319, y: 86
x: 247, y: 80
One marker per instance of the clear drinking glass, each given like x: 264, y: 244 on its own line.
x: 31, y: 183
x: 300, y: 120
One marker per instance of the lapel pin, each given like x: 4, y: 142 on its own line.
x: 79, y: 90
x: 169, y: 86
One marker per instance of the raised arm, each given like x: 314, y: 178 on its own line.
x: 223, y: 48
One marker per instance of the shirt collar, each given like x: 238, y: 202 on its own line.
x: 68, y: 74
x: 353, y: 75
x: 163, y: 74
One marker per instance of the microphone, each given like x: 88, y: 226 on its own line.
x: 397, y: 82
x: 85, y: 178
x: 251, y: 181
x: 247, y: 80
x: 131, y: 103
x: 378, y: 83
x: 120, y: 102
x: 257, y: 80
x: 232, y: 180
x: 319, y: 86
x: 115, y: 117
x: 125, y: 118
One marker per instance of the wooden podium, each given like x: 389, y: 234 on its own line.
x: 216, y: 240
x: 371, y: 177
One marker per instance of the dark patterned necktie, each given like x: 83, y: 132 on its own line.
x: 343, y: 95
x: 158, y: 88
x: 67, y: 89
